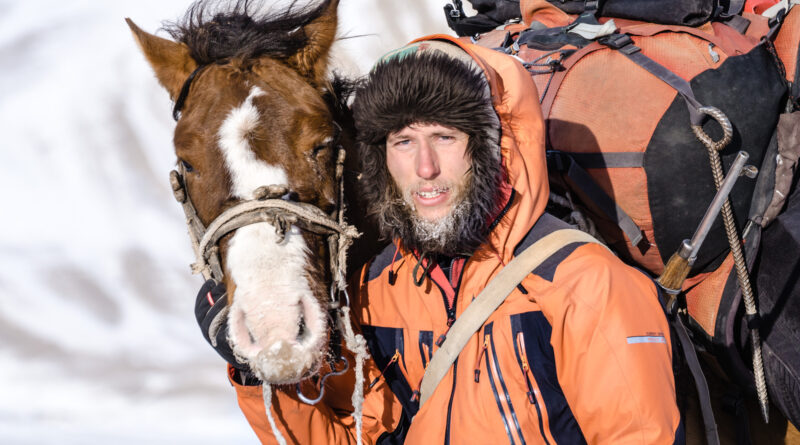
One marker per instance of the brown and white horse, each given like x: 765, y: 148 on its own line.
x: 256, y: 112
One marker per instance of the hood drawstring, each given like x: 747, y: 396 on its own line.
x: 426, y: 266
x: 392, y: 273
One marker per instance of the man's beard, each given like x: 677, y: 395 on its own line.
x: 435, y: 236
x: 459, y: 232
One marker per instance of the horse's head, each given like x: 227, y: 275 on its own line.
x: 253, y: 99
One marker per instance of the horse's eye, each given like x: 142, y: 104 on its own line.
x: 319, y: 149
x: 187, y: 166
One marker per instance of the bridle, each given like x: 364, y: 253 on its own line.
x: 271, y: 205
x: 268, y: 206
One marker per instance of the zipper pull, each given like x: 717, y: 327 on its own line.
x: 480, y: 357
x: 525, y: 368
x: 394, y: 359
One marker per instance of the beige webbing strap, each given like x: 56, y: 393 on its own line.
x: 490, y: 299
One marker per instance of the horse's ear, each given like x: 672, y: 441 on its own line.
x: 312, y: 61
x: 171, y: 61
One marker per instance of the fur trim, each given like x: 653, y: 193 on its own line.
x: 428, y: 87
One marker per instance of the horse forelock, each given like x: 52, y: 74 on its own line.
x: 216, y: 31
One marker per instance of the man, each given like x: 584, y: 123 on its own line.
x: 452, y: 146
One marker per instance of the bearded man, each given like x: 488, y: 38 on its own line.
x: 452, y: 144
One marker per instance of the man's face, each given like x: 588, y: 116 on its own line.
x: 429, y: 165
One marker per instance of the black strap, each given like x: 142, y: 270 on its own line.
x: 176, y: 110
x: 624, y: 44
x: 735, y: 7
x: 580, y: 180
x: 548, y: 39
x: 731, y: 16
x: 609, y: 159
x: 737, y: 22
x: 712, y: 437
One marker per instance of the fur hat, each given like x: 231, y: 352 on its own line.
x: 428, y: 82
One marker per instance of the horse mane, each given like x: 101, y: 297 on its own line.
x: 215, y: 32
x: 337, y: 96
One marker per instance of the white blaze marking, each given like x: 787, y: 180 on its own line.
x: 272, y: 290
x: 247, y: 172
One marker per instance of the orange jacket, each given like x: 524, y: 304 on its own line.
x: 580, y: 352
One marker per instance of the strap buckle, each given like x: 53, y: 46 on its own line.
x: 616, y: 41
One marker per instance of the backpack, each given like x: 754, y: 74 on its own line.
x: 621, y: 151
x: 491, y: 14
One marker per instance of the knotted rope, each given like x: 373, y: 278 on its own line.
x: 713, y: 148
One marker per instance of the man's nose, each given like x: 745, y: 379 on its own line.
x: 427, y: 161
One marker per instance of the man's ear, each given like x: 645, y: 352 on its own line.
x: 170, y: 61
x: 312, y: 61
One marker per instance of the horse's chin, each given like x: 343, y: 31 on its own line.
x: 285, y: 363
x: 282, y: 345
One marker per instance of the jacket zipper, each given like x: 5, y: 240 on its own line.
x: 505, y: 390
x: 487, y: 333
x: 480, y: 358
x: 450, y: 308
x: 425, y: 345
x: 450, y: 403
x: 522, y: 359
x: 524, y: 365
x: 394, y: 359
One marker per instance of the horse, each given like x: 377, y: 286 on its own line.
x: 261, y: 141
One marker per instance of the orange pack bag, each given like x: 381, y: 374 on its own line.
x: 619, y: 136
x: 620, y: 145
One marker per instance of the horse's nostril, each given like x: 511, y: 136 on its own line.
x: 301, y: 328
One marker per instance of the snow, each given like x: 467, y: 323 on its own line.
x: 98, y: 342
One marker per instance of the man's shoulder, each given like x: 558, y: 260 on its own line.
x: 381, y: 262
x: 576, y: 262
x: 547, y: 224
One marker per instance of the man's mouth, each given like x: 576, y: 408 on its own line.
x: 433, y: 193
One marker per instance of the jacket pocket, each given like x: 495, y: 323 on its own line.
x: 499, y: 388
x: 525, y: 368
x: 387, y: 347
x: 531, y: 334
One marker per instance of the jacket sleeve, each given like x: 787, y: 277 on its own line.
x: 330, y: 421
x: 612, y: 349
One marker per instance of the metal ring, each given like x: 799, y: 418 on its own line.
x: 308, y: 401
x: 722, y: 120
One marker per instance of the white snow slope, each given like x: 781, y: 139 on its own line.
x: 98, y: 343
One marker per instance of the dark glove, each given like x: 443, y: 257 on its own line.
x: 211, y: 310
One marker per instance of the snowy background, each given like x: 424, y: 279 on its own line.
x: 98, y: 343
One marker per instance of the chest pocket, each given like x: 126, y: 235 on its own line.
x: 387, y: 347
x: 531, y: 333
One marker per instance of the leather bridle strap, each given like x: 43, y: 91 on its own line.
x: 282, y: 214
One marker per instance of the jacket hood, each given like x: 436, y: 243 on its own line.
x: 522, y: 147
x: 494, y: 93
